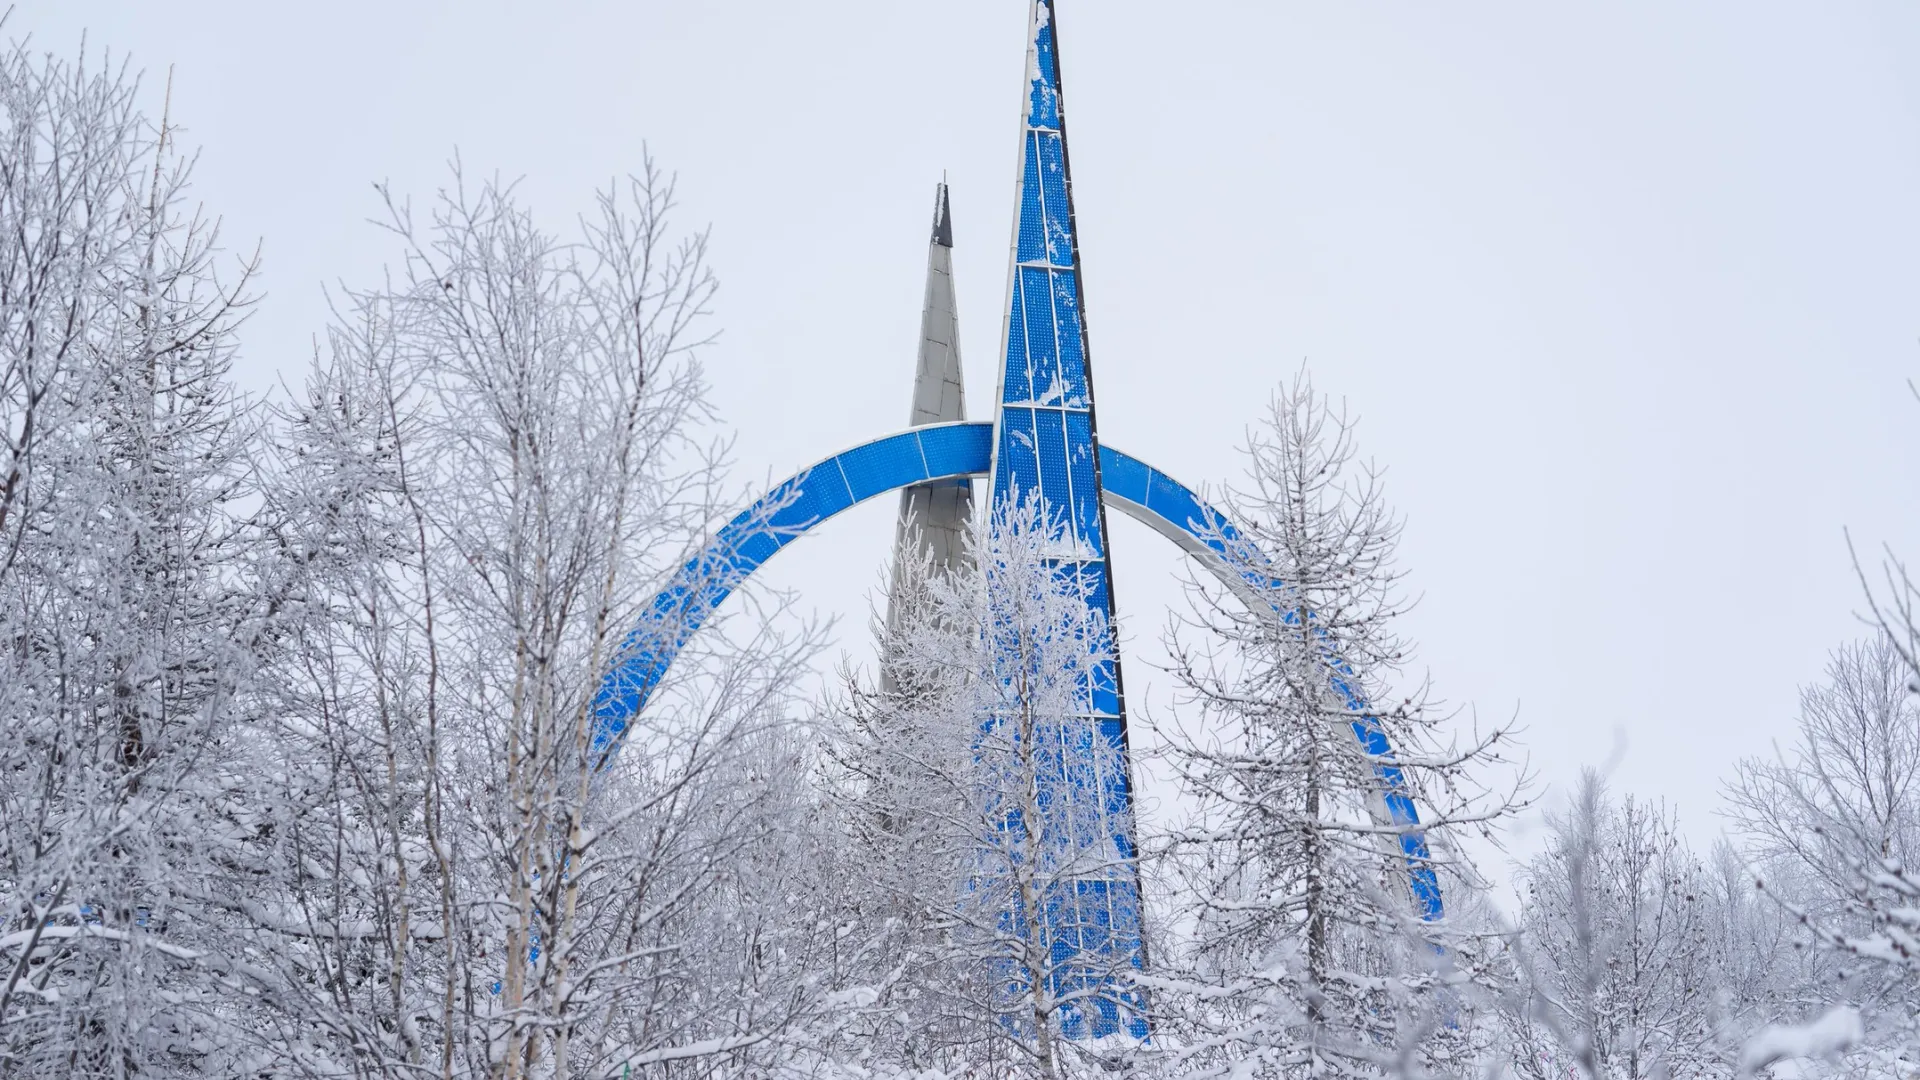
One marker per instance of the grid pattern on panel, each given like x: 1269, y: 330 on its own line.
x: 1045, y: 448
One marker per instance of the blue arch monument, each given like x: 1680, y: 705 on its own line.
x: 1042, y: 443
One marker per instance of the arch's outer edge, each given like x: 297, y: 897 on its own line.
x: 955, y: 451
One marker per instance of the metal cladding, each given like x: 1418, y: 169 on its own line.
x: 934, y: 514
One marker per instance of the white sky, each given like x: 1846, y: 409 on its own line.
x: 1625, y: 293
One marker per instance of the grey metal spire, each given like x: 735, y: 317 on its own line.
x: 938, y: 392
x: 935, y: 514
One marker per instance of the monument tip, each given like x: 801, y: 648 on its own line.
x: 942, y: 217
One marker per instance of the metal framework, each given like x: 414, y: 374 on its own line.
x: 1042, y: 446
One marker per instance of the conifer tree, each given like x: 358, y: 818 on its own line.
x: 1307, y: 941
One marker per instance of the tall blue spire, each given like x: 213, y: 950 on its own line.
x: 1046, y: 446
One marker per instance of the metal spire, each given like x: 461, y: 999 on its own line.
x: 934, y: 514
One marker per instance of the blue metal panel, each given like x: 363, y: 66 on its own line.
x: 813, y: 497
x: 1032, y: 305
x: 935, y: 452
x: 1067, y: 331
x: 1043, y: 99
x: 1086, y: 486
x: 1017, y: 374
x: 876, y: 467
x: 1032, y: 241
x: 1124, y: 477
x: 1018, y: 467
x: 1053, y: 197
x: 955, y: 450
x: 1050, y: 438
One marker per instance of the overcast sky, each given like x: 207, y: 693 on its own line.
x: 1625, y: 294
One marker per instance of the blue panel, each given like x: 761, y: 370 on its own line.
x: 883, y: 466
x: 1018, y: 384
x: 821, y: 493
x: 1086, y: 490
x: 1052, y: 443
x: 1033, y: 227
x: 1123, y: 476
x: 1043, y: 94
x: 754, y: 535
x: 1106, y: 694
x: 756, y: 547
x: 1036, y: 307
x: 1088, y: 579
x: 1053, y: 188
x: 957, y: 449
x: 1173, y: 502
x: 1096, y: 585
x: 781, y: 500
x: 1073, y: 360
x: 1018, y: 472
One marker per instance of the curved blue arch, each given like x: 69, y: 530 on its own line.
x: 954, y: 451
x: 958, y: 451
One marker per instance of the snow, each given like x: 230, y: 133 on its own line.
x: 1837, y: 1031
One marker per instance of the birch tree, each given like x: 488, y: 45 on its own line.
x: 492, y: 467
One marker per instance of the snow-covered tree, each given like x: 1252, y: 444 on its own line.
x: 1833, y: 825
x: 1849, y: 788
x: 490, y: 471
x: 1301, y: 898
x: 980, y: 795
x: 131, y: 613
x: 1625, y: 949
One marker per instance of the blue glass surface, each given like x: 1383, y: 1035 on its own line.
x: 813, y: 497
x: 1124, y: 477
